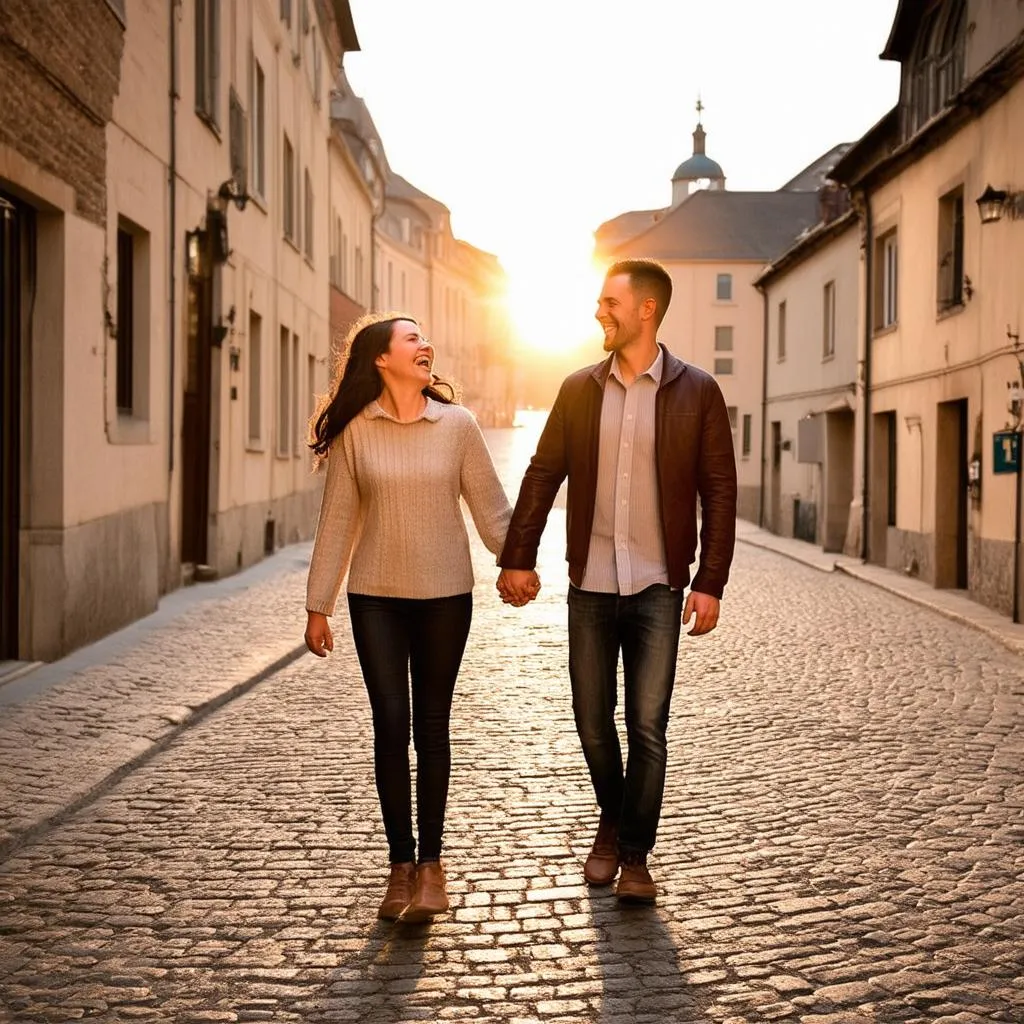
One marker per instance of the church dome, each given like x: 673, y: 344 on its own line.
x: 698, y: 166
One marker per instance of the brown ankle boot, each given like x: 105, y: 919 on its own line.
x: 399, y: 892
x: 635, y: 882
x: 430, y: 896
x: 603, y: 862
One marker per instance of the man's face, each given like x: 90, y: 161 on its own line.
x: 618, y: 313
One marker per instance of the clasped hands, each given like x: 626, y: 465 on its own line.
x: 518, y: 586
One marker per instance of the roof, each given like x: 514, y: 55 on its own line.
x: 874, y: 145
x: 806, y: 245
x: 617, y: 230
x: 813, y: 176
x: 698, y: 166
x: 719, y: 225
x: 905, y: 25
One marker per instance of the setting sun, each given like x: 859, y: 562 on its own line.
x: 552, y: 297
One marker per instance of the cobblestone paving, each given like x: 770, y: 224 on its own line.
x: 843, y: 840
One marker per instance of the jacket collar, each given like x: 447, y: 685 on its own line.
x: 672, y: 367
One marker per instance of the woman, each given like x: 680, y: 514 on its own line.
x: 399, y: 455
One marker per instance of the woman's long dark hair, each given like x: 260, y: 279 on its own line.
x: 357, y: 381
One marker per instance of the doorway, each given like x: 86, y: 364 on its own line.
x: 951, y: 495
x: 195, y: 413
x: 13, y: 228
x: 775, y: 482
x: 883, y: 505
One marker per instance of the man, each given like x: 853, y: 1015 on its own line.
x: 640, y: 437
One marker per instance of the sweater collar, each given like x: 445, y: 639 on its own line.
x: 431, y: 412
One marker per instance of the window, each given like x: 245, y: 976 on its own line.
x: 286, y: 12
x: 284, y: 390
x: 310, y: 391
x: 391, y: 285
x: 131, y: 374
x: 723, y: 367
x: 723, y: 288
x: 317, y: 65
x: 255, y: 376
x: 288, y: 189
x: 125, y: 322
x: 207, y: 58
x: 782, y: 330
x: 890, y: 498
x: 723, y: 339
x: 886, y: 275
x: 357, y: 286
x: 307, y: 225
x: 296, y: 431
x: 748, y: 422
x: 934, y: 72
x: 238, y: 143
x: 950, y: 285
x: 258, y: 106
x: 828, y: 327
x: 734, y: 416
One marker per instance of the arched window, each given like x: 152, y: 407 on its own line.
x: 936, y: 66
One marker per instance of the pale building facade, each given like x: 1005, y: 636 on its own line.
x: 714, y: 243
x: 941, y: 303
x: 161, y: 341
x: 811, y: 295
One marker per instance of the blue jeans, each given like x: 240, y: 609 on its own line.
x: 411, y: 646
x: 645, y: 627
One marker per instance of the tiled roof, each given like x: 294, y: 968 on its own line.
x: 722, y: 225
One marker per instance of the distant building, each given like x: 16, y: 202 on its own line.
x: 810, y: 387
x: 715, y: 243
x: 940, y: 308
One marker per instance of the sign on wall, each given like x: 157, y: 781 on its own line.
x: 1006, y: 451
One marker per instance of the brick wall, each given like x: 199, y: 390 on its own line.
x: 60, y: 67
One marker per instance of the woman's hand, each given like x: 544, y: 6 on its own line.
x: 318, y: 634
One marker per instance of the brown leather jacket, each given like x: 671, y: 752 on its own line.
x: 694, y: 450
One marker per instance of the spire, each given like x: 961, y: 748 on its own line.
x: 699, y: 134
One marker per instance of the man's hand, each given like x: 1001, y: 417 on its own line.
x: 318, y: 634
x: 705, y: 607
x: 518, y: 586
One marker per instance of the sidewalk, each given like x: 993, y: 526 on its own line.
x: 71, y: 729
x: 952, y: 604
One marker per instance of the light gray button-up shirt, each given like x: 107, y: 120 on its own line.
x: 627, y: 547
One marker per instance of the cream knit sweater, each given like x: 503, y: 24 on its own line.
x: 391, y: 505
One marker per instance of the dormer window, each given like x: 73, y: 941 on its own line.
x: 935, y: 70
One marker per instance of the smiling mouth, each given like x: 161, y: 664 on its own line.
x: 424, y: 361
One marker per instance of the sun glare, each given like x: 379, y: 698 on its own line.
x: 552, y: 298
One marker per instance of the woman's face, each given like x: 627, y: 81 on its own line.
x: 409, y: 356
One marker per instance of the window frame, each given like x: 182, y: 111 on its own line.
x: 725, y: 279
x: 207, y: 62
x: 828, y: 326
x: 288, y: 204
x: 949, y: 284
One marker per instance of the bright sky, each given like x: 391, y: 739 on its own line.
x: 535, y: 121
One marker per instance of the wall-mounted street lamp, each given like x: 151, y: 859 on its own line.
x: 994, y: 202
x: 230, y: 191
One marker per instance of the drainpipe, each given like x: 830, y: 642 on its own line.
x: 869, y: 246
x: 172, y: 175
x: 764, y: 407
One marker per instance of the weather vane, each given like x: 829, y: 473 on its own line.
x: 700, y: 107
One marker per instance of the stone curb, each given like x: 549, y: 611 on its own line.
x: 21, y: 839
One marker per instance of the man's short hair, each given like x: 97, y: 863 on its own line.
x: 649, y: 279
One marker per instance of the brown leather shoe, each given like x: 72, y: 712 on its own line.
x: 430, y: 897
x: 399, y: 891
x: 603, y: 862
x: 635, y: 882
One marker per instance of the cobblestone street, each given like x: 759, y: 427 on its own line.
x: 842, y: 838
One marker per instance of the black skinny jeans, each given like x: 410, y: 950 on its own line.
x: 397, y: 639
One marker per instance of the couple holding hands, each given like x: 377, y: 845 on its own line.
x: 639, y: 438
